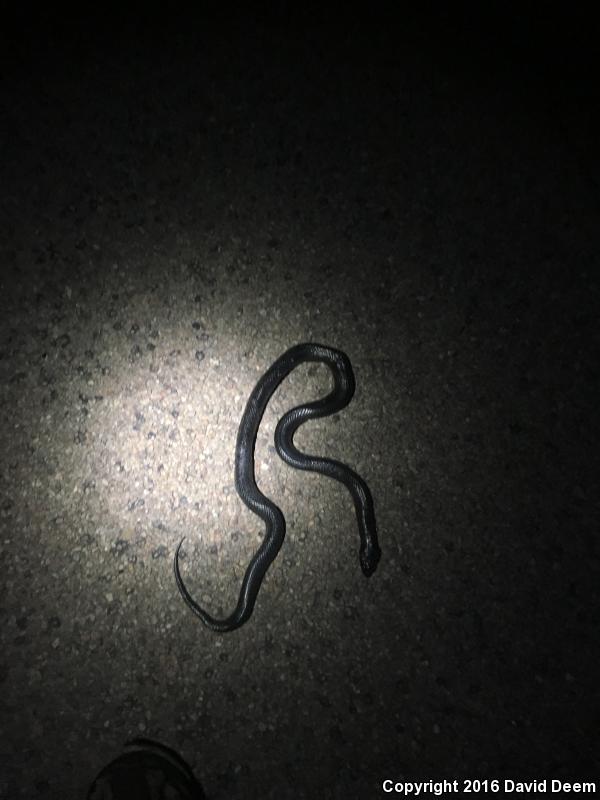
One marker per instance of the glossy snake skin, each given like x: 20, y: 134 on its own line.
x: 245, y: 481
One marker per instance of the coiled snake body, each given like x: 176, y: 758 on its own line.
x: 245, y: 482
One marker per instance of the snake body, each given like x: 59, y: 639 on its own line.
x: 256, y: 501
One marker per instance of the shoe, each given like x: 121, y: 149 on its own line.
x: 146, y: 770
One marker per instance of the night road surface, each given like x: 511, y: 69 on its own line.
x: 181, y: 200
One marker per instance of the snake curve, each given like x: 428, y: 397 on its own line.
x: 245, y: 481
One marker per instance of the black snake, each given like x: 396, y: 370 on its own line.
x: 245, y: 482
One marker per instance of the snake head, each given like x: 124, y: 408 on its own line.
x: 369, y: 558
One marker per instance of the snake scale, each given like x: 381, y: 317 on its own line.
x: 245, y: 481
